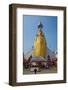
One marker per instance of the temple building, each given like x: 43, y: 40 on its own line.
x: 40, y: 56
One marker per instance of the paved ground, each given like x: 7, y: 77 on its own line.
x: 43, y: 71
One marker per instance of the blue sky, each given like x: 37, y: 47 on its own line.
x: 49, y: 29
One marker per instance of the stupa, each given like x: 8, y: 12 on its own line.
x: 39, y: 48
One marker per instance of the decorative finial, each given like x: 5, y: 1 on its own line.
x: 40, y: 25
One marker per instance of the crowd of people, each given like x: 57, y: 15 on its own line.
x: 47, y: 64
